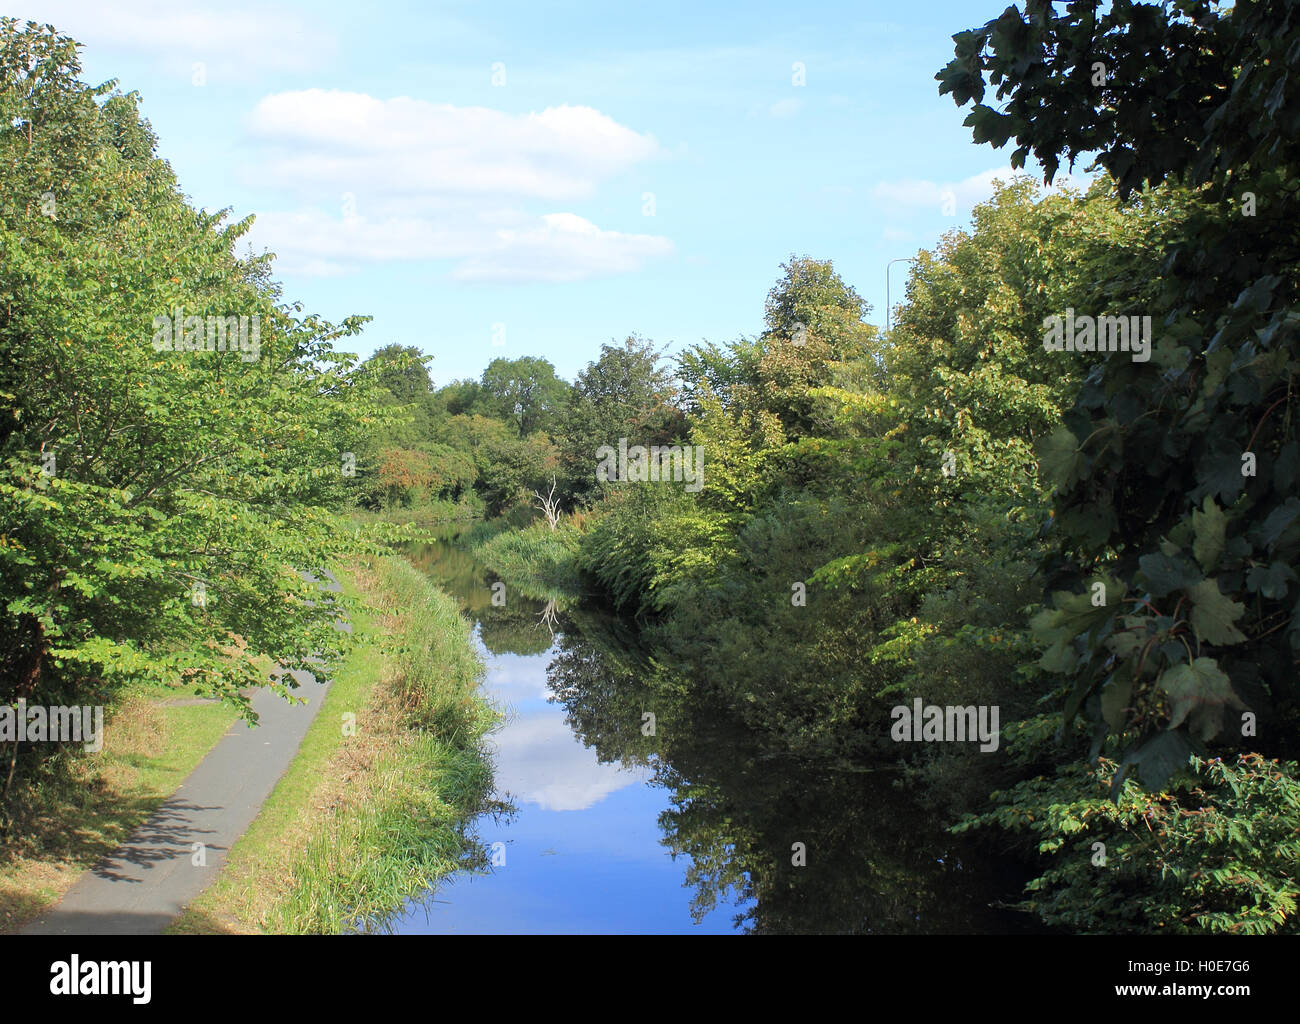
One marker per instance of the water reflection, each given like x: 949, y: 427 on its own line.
x: 804, y: 846
x: 630, y: 788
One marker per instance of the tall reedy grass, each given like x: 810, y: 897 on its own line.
x: 409, y: 823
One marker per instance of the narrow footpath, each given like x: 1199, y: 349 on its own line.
x: 149, y: 880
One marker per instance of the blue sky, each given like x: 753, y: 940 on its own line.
x: 507, y: 179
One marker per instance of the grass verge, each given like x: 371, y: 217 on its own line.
x: 367, y: 819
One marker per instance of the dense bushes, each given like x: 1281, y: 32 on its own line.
x: 537, y: 555
x: 1216, y: 851
x: 879, y: 540
x: 974, y: 473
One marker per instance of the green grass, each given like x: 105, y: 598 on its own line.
x: 538, y: 560
x: 191, y: 732
x: 433, y: 514
x: 362, y: 824
x: 481, y: 532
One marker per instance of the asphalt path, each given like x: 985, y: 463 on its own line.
x: 179, y: 851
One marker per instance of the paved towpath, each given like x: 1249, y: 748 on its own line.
x: 150, y: 879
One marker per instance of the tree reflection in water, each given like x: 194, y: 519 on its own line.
x: 875, y: 859
x: 875, y: 862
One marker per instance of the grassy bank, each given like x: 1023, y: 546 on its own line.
x: 536, y: 559
x: 82, y: 806
x: 431, y: 515
x: 369, y: 818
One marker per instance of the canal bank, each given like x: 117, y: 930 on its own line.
x: 373, y: 809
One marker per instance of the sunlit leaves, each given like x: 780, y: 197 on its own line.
x: 1209, y: 527
x: 1213, y: 851
x: 175, y: 473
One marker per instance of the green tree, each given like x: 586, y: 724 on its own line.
x: 160, y: 499
x: 403, y: 370
x: 460, y: 398
x: 1175, y: 479
x: 524, y: 391
x: 626, y: 392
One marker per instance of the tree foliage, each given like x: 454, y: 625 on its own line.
x: 162, y: 509
x: 1175, y: 480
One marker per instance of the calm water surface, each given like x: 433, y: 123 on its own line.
x: 696, y: 828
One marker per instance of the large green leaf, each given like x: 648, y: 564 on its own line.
x: 1060, y: 460
x: 1200, y: 691
x: 1166, y: 573
x: 1156, y: 760
x: 1213, y: 614
x: 1271, y: 581
x: 1209, y: 527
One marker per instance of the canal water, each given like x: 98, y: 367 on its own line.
x: 637, y: 811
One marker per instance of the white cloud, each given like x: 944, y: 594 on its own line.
x: 785, y: 108
x: 1064, y: 179
x: 563, y: 247
x: 313, y: 242
x: 426, y: 181
x: 918, y: 192
x: 555, y: 247
x: 231, y: 42
x: 347, y: 140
